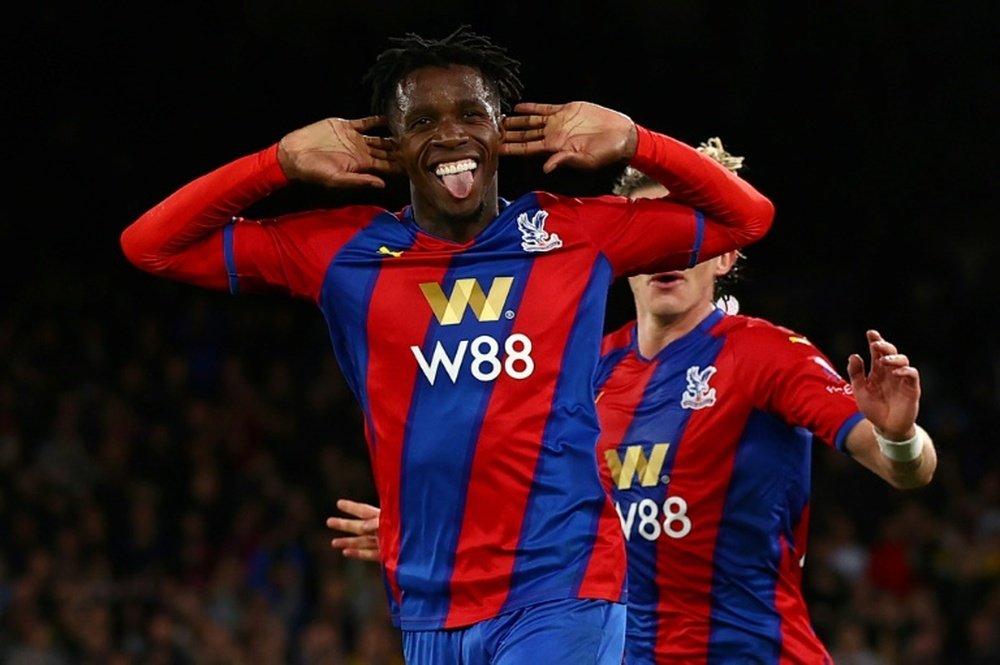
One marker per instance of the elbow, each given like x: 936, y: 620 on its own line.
x: 140, y: 254
x: 763, y: 218
x: 133, y: 250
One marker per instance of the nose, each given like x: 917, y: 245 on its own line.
x: 450, y: 133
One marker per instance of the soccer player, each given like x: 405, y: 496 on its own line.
x: 469, y: 329
x: 707, y: 421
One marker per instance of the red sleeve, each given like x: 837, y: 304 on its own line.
x: 795, y: 381
x: 195, y: 235
x: 711, y: 211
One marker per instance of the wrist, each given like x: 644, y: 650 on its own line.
x: 901, y: 451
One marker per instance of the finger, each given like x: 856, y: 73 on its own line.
x: 524, y: 136
x: 524, y: 121
x: 385, y: 166
x: 909, y: 372
x: 366, y: 123
x: 895, y: 360
x: 553, y: 162
x: 884, y: 348
x: 383, y: 142
x: 358, y: 509
x: 540, y: 109
x: 344, y: 524
x: 363, y: 555
x: 354, y: 542
x: 532, y: 148
x: 855, y: 368
x: 566, y: 158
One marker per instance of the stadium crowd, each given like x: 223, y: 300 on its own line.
x: 168, y: 457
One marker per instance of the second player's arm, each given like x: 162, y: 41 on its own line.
x: 889, y: 397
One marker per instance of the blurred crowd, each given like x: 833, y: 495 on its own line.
x: 168, y: 457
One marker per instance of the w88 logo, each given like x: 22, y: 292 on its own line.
x: 651, y: 520
x: 484, y: 358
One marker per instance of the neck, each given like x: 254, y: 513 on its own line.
x: 458, y: 228
x: 654, y: 333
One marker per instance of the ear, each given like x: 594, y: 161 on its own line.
x: 725, y: 263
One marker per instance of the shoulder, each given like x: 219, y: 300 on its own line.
x: 756, y: 329
x: 551, y: 201
x: 754, y: 337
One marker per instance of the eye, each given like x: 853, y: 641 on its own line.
x: 419, y: 122
x: 475, y: 114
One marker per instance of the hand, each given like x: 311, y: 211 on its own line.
x: 889, y: 396
x: 336, y: 153
x: 364, y: 544
x: 578, y: 134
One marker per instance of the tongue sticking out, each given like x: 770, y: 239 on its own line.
x: 459, y: 184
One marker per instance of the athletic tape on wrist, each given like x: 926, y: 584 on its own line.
x: 901, y: 451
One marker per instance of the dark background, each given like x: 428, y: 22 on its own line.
x: 871, y: 126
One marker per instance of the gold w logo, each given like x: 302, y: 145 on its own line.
x: 450, y: 309
x: 635, y: 464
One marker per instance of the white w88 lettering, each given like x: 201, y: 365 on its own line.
x: 484, y: 359
x: 650, y: 520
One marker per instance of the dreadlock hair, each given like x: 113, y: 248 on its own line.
x: 632, y: 180
x: 461, y: 47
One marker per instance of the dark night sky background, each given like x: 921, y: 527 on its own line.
x: 872, y: 126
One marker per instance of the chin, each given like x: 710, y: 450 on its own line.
x: 466, y: 210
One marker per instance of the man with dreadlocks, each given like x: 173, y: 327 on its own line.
x: 469, y: 328
x: 706, y: 423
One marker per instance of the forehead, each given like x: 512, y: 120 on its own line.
x: 432, y: 86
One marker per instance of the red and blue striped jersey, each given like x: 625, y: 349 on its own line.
x: 706, y: 451
x: 473, y: 363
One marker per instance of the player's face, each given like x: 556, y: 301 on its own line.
x: 670, y: 296
x: 446, y: 122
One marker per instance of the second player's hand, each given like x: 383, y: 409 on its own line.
x: 363, y: 524
x: 337, y: 153
x: 577, y: 134
x: 889, y: 395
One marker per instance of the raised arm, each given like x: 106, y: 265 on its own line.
x: 889, y: 441
x: 182, y: 238
x: 588, y: 136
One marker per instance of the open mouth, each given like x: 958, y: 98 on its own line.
x: 457, y: 177
x: 666, y: 278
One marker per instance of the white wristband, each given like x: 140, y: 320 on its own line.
x: 901, y: 451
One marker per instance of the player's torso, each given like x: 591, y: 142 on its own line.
x: 705, y: 486
x: 424, y: 319
x: 474, y: 366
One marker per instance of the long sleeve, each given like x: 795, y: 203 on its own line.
x: 182, y: 236
x: 738, y: 214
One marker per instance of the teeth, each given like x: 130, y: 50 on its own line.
x: 451, y: 168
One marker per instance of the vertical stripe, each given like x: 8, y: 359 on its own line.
x: 353, y: 281
x: 451, y: 487
x: 763, y: 501
x: 626, y: 384
x: 229, y: 257
x: 566, y: 500
x: 699, y: 236
x: 393, y: 379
